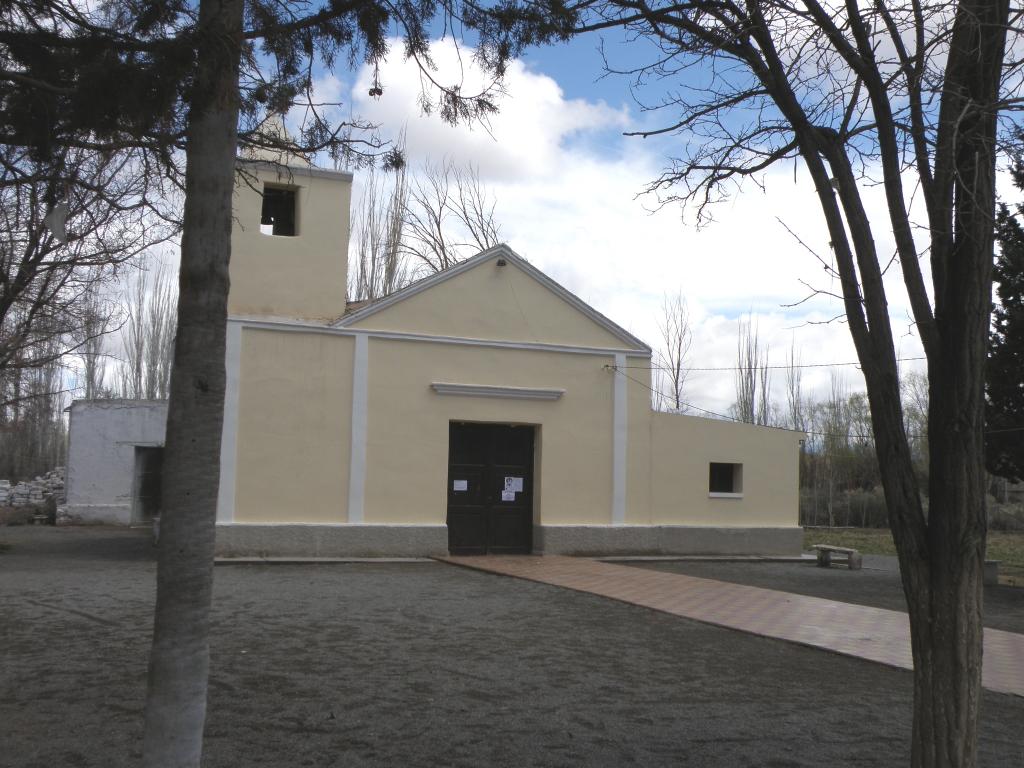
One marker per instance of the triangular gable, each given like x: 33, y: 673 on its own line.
x: 479, y: 299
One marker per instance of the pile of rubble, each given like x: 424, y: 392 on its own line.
x: 33, y: 492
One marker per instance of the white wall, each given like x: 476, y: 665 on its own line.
x: 102, y: 436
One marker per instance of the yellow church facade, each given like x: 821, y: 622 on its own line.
x: 485, y: 409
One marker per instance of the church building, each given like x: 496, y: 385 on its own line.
x: 484, y: 409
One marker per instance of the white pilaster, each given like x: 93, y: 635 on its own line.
x: 229, y: 430
x: 619, y: 436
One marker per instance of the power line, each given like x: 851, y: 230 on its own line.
x: 760, y: 367
x: 645, y: 385
x: 724, y: 417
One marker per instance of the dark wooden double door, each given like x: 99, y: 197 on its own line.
x: 490, y: 489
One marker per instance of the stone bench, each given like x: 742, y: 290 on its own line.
x: 827, y: 552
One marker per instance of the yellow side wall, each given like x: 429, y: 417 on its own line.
x: 294, y: 437
x: 294, y: 410
x: 682, y: 447
x: 302, y: 276
x: 407, y: 449
x: 492, y: 302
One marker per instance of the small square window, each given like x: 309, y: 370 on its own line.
x: 278, y: 215
x: 725, y: 479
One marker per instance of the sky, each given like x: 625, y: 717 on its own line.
x: 569, y: 189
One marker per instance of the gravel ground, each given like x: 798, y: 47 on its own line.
x: 427, y: 665
x: 876, y: 584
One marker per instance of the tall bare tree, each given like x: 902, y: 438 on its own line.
x: 449, y: 217
x: 413, y: 223
x: 377, y: 235
x: 896, y: 93
x: 66, y: 225
x: 99, y: 317
x: 69, y: 223
x: 753, y: 377
x: 147, y: 335
x: 914, y: 388
x: 834, y: 423
x: 32, y: 428
x: 676, y: 340
x: 796, y: 399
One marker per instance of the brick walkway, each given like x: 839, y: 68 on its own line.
x: 854, y: 630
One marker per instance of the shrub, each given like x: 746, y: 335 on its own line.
x: 1005, y: 517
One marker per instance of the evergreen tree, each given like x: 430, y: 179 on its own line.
x: 200, y: 77
x: 1004, y: 386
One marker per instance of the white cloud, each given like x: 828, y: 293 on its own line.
x: 566, y: 183
x: 525, y: 140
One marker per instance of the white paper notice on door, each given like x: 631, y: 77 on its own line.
x: 508, y: 495
x: 514, y: 484
x: 460, y: 485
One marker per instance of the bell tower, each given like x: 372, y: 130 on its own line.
x: 289, y: 240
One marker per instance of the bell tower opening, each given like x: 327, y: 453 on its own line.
x: 279, y: 215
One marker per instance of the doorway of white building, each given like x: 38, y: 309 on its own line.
x: 147, y: 484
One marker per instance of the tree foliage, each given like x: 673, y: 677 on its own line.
x: 1004, y: 392
x: 60, y: 58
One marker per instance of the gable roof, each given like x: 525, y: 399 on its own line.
x: 501, y: 251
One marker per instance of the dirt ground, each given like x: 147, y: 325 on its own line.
x: 423, y: 664
x: 877, y: 584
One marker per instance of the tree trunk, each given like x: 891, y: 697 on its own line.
x: 179, y: 659
x: 944, y: 592
x: 946, y: 636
